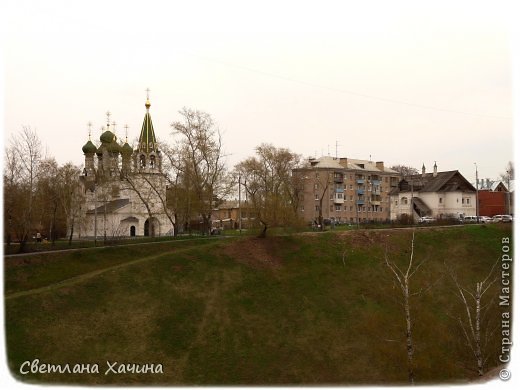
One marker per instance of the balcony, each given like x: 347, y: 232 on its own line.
x: 358, y: 202
x: 376, y: 202
x: 376, y: 182
x: 339, y: 200
x: 340, y: 190
x: 338, y: 178
x: 360, y: 192
x: 360, y: 181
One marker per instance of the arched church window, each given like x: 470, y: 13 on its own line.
x: 143, y: 161
x: 152, y: 161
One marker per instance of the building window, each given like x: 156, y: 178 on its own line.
x: 338, y: 208
x: 303, y: 209
x: 440, y: 200
x: 316, y: 208
x: 316, y: 197
x: 350, y: 187
x: 404, y: 200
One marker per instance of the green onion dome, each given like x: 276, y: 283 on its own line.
x: 89, y: 148
x: 107, y: 137
x: 114, y: 147
x: 126, y: 149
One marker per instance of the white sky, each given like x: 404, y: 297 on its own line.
x: 403, y: 82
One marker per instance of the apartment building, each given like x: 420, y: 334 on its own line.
x: 345, y: 190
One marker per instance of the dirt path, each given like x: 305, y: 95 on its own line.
x: 80, y: 278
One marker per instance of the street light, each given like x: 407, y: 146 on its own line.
x: 476, y: 177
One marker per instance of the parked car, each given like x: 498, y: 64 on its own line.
x: 426, y: 220
x: 484, y: 219
x: 502, y: 218
x: 470, y: 219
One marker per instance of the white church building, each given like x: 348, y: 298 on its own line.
x: 441, y: 195
x: 124, y: 189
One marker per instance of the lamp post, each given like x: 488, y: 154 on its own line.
x: 239, y: 205
x: 508, y: 173
x: 476, y: 177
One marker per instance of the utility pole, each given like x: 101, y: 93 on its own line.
x: 476, y: 177
x: 411, y: 201
x: 239, y: 205
x: 95, y: 217
x: 508, y: 172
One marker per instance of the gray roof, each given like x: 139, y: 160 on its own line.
x: 448, y: 181
x: 130, y: 219
x: 111, y: 206
x: 329, y: 162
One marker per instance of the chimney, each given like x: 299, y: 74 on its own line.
x: 435, y: 169
x: 343, y: 161
x: 423, y: 170
x: 380, y: 165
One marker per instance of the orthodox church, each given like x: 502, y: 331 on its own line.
x: 124, y: 189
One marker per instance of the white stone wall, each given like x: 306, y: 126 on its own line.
x: 112, y: 222
x: 451, y: 203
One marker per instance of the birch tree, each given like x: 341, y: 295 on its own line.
x: 472, y: 322
x: 402, y: 278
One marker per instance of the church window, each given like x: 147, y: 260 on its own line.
x: 143, y: 161
x: 152, y: 161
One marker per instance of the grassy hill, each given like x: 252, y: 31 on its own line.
x: 296, y: 309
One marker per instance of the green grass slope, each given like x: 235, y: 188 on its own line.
x: 299, y: 309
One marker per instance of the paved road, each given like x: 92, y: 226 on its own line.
x: 107, y: 246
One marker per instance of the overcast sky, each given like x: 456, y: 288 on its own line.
x: 402, y: 82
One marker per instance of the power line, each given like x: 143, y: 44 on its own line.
x: 345, y: 91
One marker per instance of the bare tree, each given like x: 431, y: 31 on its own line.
x: 474, y: 308
x: 69, y: 195
x: 322, y: 183
x: 270, y: 186
x: 509, y: 174
x: 405, y: 170
x: 199, y: 158
x: 24, y: 156
x: 402, y: 279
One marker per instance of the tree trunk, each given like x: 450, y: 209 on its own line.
x: 263, y: 233
x: 71, y: 231
x: 409, y: 341
x: 478, y: 349
x: 53, y: 224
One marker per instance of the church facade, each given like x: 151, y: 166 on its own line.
x: 124, y: 189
